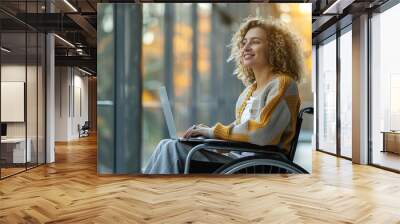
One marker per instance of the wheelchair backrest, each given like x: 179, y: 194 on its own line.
x: 292, y: 151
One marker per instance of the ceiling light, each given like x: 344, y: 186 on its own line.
x: 338, y: 6
x: 5, y: 50
x: 84, y: 71
x: 70, y: 5
x: 333, y: 6
x: 65, y: 41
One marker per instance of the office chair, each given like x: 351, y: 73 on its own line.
x: 84, y: 130
x: 268, y: 159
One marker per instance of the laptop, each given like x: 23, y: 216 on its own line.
x: 169, y: 119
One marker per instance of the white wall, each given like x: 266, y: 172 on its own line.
x: 71, y: 94
x: 62, y: 81
x: 79, y: 112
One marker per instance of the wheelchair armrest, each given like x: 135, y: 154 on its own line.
x: 242, y: 145
x: 238, y: 144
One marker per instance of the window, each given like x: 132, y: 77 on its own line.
x: 327, y: 96
x: 153, y: 77
x: 346, y: 93
x: 385, y: 85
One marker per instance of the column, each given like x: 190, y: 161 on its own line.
x: 360, y: 90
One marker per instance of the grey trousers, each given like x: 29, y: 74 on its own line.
x: 169, y: 157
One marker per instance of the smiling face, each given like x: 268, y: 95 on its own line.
x: 253, y: 48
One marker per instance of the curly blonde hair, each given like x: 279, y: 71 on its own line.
x: 284, y: 52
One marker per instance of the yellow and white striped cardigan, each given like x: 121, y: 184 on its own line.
x: 273, y: 120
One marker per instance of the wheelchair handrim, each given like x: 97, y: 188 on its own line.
x: 258, y: 162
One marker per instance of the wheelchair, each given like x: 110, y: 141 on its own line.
x: 267, y: 159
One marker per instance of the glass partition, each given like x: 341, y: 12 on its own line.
x: 15, y: 151
x: 22, y: 87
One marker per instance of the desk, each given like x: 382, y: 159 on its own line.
x: 16, y: 147
x: 391, y: 141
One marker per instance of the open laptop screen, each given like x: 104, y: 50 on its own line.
x: 166, y: 107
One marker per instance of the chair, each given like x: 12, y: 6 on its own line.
x: 84, y: 130
x: 268, y: 159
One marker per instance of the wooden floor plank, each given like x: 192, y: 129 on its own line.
x: 70, y: 191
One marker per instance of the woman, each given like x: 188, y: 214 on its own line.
x: 269, y: 61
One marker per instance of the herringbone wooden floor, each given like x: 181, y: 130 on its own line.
x: 70, y: 191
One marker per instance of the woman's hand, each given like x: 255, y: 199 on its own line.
x: 188, y: 131
x: 199, y: 130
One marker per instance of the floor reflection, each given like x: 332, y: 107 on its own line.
x: 387, y: 159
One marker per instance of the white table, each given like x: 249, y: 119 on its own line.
x: 18, y: 145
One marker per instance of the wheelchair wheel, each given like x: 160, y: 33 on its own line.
x: 260, y: 165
